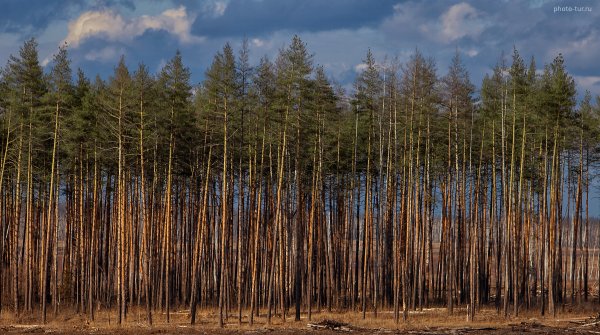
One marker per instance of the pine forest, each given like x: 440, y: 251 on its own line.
x: 268, y: 191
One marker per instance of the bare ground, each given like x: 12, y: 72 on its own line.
x: 427, y: 322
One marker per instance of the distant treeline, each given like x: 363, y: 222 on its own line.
x: 269, y: 191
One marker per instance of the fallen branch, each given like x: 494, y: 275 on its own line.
x: 331, y: 325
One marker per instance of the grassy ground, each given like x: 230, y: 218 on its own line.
x: 428, y: 321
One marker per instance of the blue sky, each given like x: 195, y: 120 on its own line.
x: 338, y: 32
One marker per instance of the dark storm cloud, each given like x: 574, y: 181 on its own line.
x: 34, y: 16
x: 256, y: 17
x: 338, y: 32
x: 543, y: 31
x: 484, y: 30
x: 128, y: 4
x: 16, y: 16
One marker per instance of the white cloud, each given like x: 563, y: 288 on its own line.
x: 215, y: 8
x: 259, y: 43
x: 406, y: 19
x: 472, y: 52
x: 582, y: 46
x: 590, y: 83
x: 110, y: 25
x: 220, y: 7
x: 105, y: 54
x: 358, y: 68
x: 414, y: 21
x: 580, y: 52
x: 587, y: 81
x: 45, y: 62
x: 461, y: 20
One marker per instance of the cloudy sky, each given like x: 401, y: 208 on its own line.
x: 338, y: 32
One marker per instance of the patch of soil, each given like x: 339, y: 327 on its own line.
x: 431, y: 321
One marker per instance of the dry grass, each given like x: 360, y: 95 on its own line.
x: 69, y: 321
